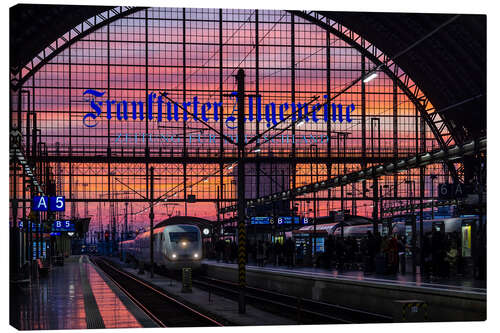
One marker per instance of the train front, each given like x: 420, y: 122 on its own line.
x: 183, y: 246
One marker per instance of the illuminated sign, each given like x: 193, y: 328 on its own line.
x: 280, y: 220
x: 45, y: 203
x: 63, y: 225
x: 260, y: 220
x: 40, y: 203
x: 57, y: 204
x: 35, y: 227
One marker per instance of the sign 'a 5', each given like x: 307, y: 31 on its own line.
x: 45, y: 203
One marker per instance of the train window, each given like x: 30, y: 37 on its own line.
x: 178, y: 236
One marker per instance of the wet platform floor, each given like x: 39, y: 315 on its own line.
x: 458, y: 284
x: 73, y: 296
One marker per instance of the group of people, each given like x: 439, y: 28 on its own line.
x: 372, y: 253
x: 260, y: 252
x: 440, y: 253
x: 225, y: 251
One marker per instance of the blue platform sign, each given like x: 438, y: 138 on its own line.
x: 40, y: 203
x: 63, y: 225
x: 57, y: 204
x: 260, y: 220
x: 281, y: 220
x: 288, y: 220
x: 35, y: 227
x: 294, y: 220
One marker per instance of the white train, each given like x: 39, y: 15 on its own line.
x: 174, y: 247
x: 447, y: 225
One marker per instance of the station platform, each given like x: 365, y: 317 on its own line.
x: 448, y: 299
x: 74, y: 296
x: 408, y: 279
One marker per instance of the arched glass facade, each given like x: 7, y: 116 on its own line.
x: 193, y: 55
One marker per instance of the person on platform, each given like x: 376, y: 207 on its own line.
x: 402, y: 254
x: 340, y: 253
x: 219, y: 249
x: 329, y: 247
x: 373, y: 248
x: 234, y: 252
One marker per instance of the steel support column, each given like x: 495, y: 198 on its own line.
x: 151, y: 221
x: 240, y: 79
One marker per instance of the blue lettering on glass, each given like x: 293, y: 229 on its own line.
x: 93, y: 105
x: 273, y: 113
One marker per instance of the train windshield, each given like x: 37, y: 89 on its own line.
x: 178, y: 236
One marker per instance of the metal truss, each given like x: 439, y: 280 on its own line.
x: 416, y: 207
x: 222, y: 156
x: 420, y: 160
x: 193, y: 159
x: 75, y: 34
x: 17, y: 153
x: 442, y: 129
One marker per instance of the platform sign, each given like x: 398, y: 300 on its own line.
x: 35, y: 227
x: 57, y: 204
x: 292, y: 220
x: 454, y: 191
x: 45, y: 203
x: 40, y: 203
x: 288, y: 220
x: 260, y: 220
x: 63, y: 225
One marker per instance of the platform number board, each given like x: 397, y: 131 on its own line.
x: 42, y: 203
x: 63, y: 225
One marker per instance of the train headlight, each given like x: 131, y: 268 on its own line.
x: 184, y: 243
x: 174, y: 255
x: 196, y: 255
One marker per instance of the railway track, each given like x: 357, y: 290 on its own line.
x: 306, y: 311
x: 165, y: 310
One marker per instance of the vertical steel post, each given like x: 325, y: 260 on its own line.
x: 292, y: 96
x: 184, y: 123
x: 421, y: 231
x: 381, y: 210
x: 126, y: 219
x: 329, y: 112
x: 220, y: 189
x: 395, y: 131
x: 413, y: 227
x: 375, y: 205
x: 151, y: 220
x: 363, y: 119
x: 433, y: 177
x: 13, y: 231
x: 240, y: 79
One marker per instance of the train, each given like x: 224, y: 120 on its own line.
x: 174, y: 247
x: 464, y: 227
x: 445, y: 225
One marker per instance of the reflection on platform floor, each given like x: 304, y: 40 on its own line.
x: 408, y: 279
x: 73, y: 296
